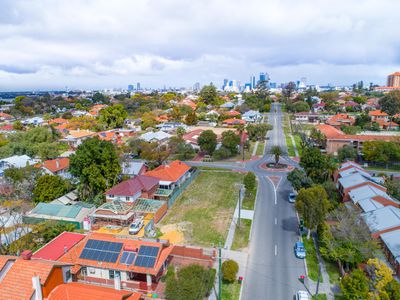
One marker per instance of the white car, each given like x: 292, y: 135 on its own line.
x: 135, y: 227
x: 302, y: 295
x: 292, y: 197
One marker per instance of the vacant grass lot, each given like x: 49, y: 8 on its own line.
x: 242, y: 234
x: 205, y: 209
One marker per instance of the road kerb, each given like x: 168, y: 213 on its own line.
x: 254, y: 209
x: 301, y: 240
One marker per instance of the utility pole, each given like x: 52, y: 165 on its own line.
x: 319, y: 275
x: 240, y: 197
x: 219, y: 272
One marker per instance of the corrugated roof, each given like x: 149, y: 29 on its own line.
x: 366, y: 192
x: 352, y: 180
x: 392, y: 241
x: 368, y: 205
x: 57, y: 210
x: 383, y: 218
x: 54, y: 249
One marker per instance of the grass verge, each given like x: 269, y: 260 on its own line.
x: 289, y: 145
x: 230, y: 291
x: 297, y: 140
x: 249, y: 200
x: 260, y: 148
x: 333, y: 271
x: 242, y: 234
x: 204, y: 210
x: 320, y: 297
x: 312, y: 260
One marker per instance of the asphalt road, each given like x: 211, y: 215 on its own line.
x: 272, y: 269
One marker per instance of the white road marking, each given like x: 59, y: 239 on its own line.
x: 276, y: 221
x: 276, y: 250
x: 273, y: 186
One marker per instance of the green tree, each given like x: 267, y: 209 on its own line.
x: 288, y: 91
x: 207, y: 141
x: 318, y: 167
x: 49, y: 187
x: 299, y: 179
x: 192, y: 282
x: 113, y: 116
x: 258, y: 131
x: 209, y: 95
x: 354, y: 286
x: 148, y: 120
x: 347, y: 152
x: 154, y: 153
x: 96, y: 165
x: 229, y: 270
x: 249, y: 181
x: 277, y: 152
x: 332, y: 191
x: 17, y: 125
x: 313, y: 205
x: 178, y: 147
x: 381, y: 151
x: 299, y: 106
x: 191, y: 118
x: 390, y: 103
x: 231, y: 141
x: 393, y: 187
x: 100, y: 98
x: 180, y: 131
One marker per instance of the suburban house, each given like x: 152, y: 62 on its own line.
x: 171, y: 126
x: 191, y: 138
x: 171, y: 175
x: 159, y: 136
x: 35, y: 121
x: 6, y: 117
x: 107, y: 260
x: 133, y: 168
x: 390, y: 242
x: 77, y: 137
x: 130, y: 190
x: 382, y: 119
x: 336, y: 139
x: 252, y: 116
x: 382, y: 220
x: 189, y: 103
x: 16, y: 161
x: 339, y: 120
x: 58, y: 121
x: 307, y: 117
x: 23, y: 278
x: 58, y: 166
x: 231, y: 122
x: 370, y: 198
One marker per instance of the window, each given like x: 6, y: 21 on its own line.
x: 127, y: 198
x: 111, y: 274
x: 92, y: 270
x: 111, y: 196
x: 68, y: 276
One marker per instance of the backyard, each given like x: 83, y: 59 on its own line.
x: 203, y: 212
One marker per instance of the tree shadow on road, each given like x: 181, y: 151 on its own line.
x: 290, y: 224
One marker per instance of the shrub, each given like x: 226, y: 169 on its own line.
x: 229, y: 270
x: 249, y: 181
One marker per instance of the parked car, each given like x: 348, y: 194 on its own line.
x: 135, y: 227
x: 300, y: 250
x: 302, y: 295
x: 292, y: 197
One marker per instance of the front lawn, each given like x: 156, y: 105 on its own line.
x: 205, y: 209
x: 230, y: 291
x: 311, y: 258
x: 242, y: 234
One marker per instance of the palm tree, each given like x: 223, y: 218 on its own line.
x: 277, y: 151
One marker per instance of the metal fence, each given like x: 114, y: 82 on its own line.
x: 179, y: 190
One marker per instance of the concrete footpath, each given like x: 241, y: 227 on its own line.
x: 296, y: 152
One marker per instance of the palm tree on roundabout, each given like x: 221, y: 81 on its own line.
x: 277, y: 152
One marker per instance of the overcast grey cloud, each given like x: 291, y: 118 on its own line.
x: 104, y: 44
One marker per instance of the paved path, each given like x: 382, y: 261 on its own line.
x: 296, y: 153
x: 255, y: 149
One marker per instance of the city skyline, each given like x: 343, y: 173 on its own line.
x: 99, y: 44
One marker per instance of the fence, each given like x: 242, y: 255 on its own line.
x: 179, y: 190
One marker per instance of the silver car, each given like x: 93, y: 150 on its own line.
x: 292, y: 197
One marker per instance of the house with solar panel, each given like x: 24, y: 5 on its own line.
x: 130, y: 264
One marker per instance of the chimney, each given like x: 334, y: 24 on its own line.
x: 26, y: 254
x: 57, y: 163
x: 37, y: 287
x: 117, y: 281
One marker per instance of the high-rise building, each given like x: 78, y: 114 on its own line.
x: 253, y: 82
x: 130, y: 88
x: 138, y: 86
x: 196, y: 87
x: 263, y: 76
x: 393, y: 80
x: 225, y: 83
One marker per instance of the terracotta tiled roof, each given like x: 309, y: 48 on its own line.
x: 72, y: 256
x: 395, y: 74
x: 331, y: 133
x: 133, y: 186
x: 54, y: 249
x: 6, y: 116
x: 17, y: 282
x: 188, y: 102
x: 57, y: 164
x: 58, y: 121
x: 233, y: 113
x: 171, y: 172
x: 192, y: 136
x: 234, y: 121
x: 8, y: 127
x: 81, y: 291
x: 81, y: 133
x: 377, y: 113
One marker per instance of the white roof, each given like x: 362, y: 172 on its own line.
x: 383, y: 218
x: 368, y: 205
x: 392, y: 242
x: 132, y: 167
x: 159, y: 136
x: 19, y: 161
x: 352, y: 171
x: 349, y: 163
x: 251, y: 113
x: 352, y: 180
x: 366, y: 192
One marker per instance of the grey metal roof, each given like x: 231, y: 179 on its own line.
x: 366, y: 192
x: 392, y: 242
x: 132, y: 167
x: 382, y: 218
x: 352, y: 180
x: 368, y: 205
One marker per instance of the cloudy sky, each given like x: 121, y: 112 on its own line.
x: 50, y: 44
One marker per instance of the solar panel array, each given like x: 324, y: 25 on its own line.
x: 127, y: 258
x: 101, y: 251
x: 147, y: 256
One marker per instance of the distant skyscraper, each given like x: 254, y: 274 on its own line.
x: 263, y: 77
x: 225, y: 83
x: 130, y: 88
x: 196, y: 87
x: 138, y: 86
x: 393, y: 80
x: 253, y: 81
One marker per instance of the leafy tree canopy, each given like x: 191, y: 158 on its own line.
x: 49, y: 187
x: 113, y: 116
x: 207, y: 141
